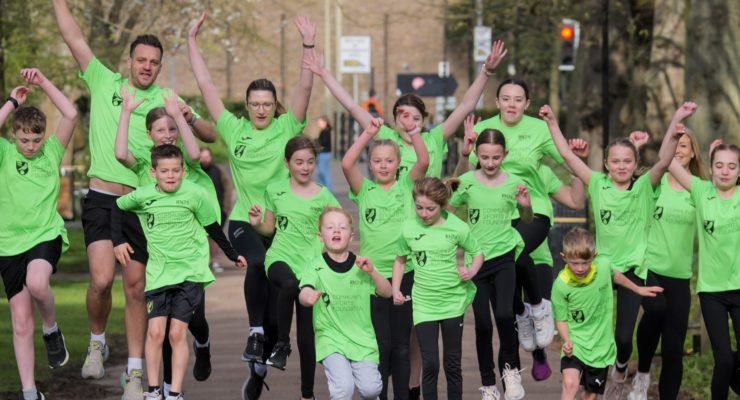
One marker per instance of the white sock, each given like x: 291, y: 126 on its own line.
x: 49, y: 331
x: 256, y: 329
x: 166, y: 389
x: 260, y: 369
x: 202, y: 345
x: 98, y: 338
x: 134, y: 363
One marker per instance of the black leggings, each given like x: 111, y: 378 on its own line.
x: 428, y: 335
x: 628, y: 305
x: 496, y: 284
x: 666, y: 319
x: 533, y: 234
x: 286, y: 282
x: 253, y: 247
x: 393, y: 329
x: 198, y: 326
x: 715, y: 308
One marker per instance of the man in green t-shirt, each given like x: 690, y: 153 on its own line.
x: 109, y: 179
x: 582, y: 303
x: 32, y: 234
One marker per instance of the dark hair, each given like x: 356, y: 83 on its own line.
x: 265, y: 84
x: 413, y: 100
x: 154, y: 115
x: 435, y: 189
x: 722, y: 147
x: 622, y: 142
x: 164, y: 151
x: 147, y: 40
x: 371, y: 93
x: 29, y: 119
x: 490, y: 136
x: 299, y: 142
x: 514, y: 81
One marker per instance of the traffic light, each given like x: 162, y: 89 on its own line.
x: 569, y: 36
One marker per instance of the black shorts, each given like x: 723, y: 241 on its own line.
x: 593, y: 379
x: 177, y: 301
x: 96, y: 210
x: 13, y: 268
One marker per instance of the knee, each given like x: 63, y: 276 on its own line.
x: 370, y: 388
x: 101, y: 287
x: 37, y: 284
x: 23, y: 325
x: 134, y: 289
x: 155, y: 333
x: 570, y: 385
x: 177, y: 334
x: 342, y: 390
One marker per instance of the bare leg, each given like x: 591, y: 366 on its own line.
x: 102, y: 269
x: 180, y: 353
x: 134, y: 280
x: 37, y: 281
x: 21, y: 310
x: 154, y: 339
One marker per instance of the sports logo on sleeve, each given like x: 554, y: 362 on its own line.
x: 709, y: 226
x: 149, y: 220
x: 473, y: 215
x: 420, y: 257
x: 577, y: 316
x: 370, y: 214
x: 403, y: 169
x: 21, y: 167
x: 116, y: 100
x: 239, y: 150
x: 658, y: 213
x: 282, y: 222
x: 606, y: 216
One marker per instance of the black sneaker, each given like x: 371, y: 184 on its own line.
x: 39, y: 396
x: 56, y: 351
x: 254, y: 349
x: 202, y: 366
x: 415, y: 393
x: 252, y: 387
x: 279, y: 357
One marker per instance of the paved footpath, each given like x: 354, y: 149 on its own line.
x: 226, y: 313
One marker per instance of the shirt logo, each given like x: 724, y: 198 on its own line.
x: 149, y: 203
x: 116, y: 100
x: 370, y: 214
x: 371, y: 188
x: 403, y: 169
x: 282, y: 222
x: 577, y: 316
x: 325, y: 298
x: 420, y: 236
x: 149, y: 307
x: 279, y: 193
x: 473, y: 215
x: 149, y: 220
x: 420, y: 257
x: 239, y: 150
x: 658, y: 213
x: 606, y: 216
x: 709, y: 226
x: 246, y: 138
x: 21, y: 167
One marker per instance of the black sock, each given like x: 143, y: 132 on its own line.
x: 154, y: 389
x: 173, y: 394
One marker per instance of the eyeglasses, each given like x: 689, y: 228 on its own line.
x: 256, y: 106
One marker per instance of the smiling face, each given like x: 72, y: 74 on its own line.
x: 168, y: 173
x: 490, y: 158
x: 164, y: 131
x: 410, y: 112
x: 512, y: 101
x: 428, y: 211
x: 621, y: 163
x: 144, y: 65
x: 384, y: 163
x: 301, y: 165
x: 684, y: 151
x: 725, y: 168
x: 261, y: 106
x: 335, y: 231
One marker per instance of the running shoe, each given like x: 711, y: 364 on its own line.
x: 255, y: 348
x: 513, y: 389
x: 202, y: 366
x: 540, y: 367
x: 56, y: 350
x: 544, y: 326
x: 252, y: 387
x: 614, y: 389
x: 525, y: 330
x: 640, y: 386
x: 155, y: 395
x: 97, y: 354
x: 131, y: 384
x: 489, y: 393
x: 279, y: 357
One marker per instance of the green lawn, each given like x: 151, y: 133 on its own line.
x: 74, y: 260
x: 72, y: 319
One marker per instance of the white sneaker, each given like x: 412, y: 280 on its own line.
x: 131, y: 383
x: 156, y: 395
x: 640, y: 386
x: 614, y: 388
x: 513, y: 389
x: 544, y: 326
x: 97, y: 353
x: 525, y: 330
x: 489, y: 392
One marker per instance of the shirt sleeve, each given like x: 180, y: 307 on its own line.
x: 359, y: 197
x: 386, y: 133
x: 97, y: 75
x: 403, y: 246
x: 54, y: 150
x: 289, y: 124
x: 4, y: 146
x: 310, y: 278
x: 331, y: 200
x: 468, y: 242
x: 436, y: 138
x: 129, y: 202
x: 228, y: 127
x: 548, y: 145
x: 551, y: 181
x: 597, y: 178
x: 459, y: 197
x: 698, y: 188
x: 269, y: 203
x: 559, y: 304
x: 204, y: 211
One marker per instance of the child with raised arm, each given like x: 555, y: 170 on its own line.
x: 177, y: 270
x: 32, y: 234
x: 339, y: 286
x: 582, y: 302
x: 384, y: 204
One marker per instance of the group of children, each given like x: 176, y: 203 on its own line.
x: 378, y: 314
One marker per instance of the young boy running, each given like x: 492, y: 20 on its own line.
x: 177, y: 271
x: 32, y: 234
x: 582, y: 301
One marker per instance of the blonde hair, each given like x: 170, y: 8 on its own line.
x: 328, y: 210
x: 696, y: 164
x: 579, y: 244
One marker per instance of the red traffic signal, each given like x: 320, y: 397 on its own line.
x: 567, y: 32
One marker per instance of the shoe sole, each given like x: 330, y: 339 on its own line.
x: 514, y: 398
x: 63, y: 363
x: 95, y: 377
x: 282, y: 368
x: 251, y: 358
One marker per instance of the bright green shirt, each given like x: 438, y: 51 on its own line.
x: 256, y: 156
x: 341, y: 317
x: 622, y: 218
x: 296, y: 238
x: 718, y: 221
x: 490, y: 211
x: 105, y: 112
x: 587, y: 308
x: 173, y: 225
x: 542, y: 255
x: 527, y: 142
x: 28, y: 197
x: 382, y: 215
x: 435, y: 144
x: 670, y: 247
x: 438, y: 291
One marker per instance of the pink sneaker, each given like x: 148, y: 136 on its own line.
x: 540, y: 368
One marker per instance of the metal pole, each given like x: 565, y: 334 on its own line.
x: 327, y: 52
x: 605, y: 78
x: 385, y: 61
x: 283, y: 83
x: 444, y: 54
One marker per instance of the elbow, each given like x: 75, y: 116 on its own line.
x: 122, y: 156
x: 71, y: 115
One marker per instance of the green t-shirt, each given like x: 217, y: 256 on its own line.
x: 670, y: 246
x: 438, y: 291
x: 28, y: 197
x: 105, y: 112
x: 173, y: 225
x: 542, y: 255
x: 718, y: 223
x: 587, y: 308
x: 193, y: 173
x: 341, y: 318
x: 382, y: 215
x: 622, y: 218
x: 527, y: 142
x: 435, y: 144
x: 490, y: 211
x: 256, y: 156
x: 296, y: 238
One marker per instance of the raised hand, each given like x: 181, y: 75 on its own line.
x: 364, y: 264
x: 33, y: 76
x: 548, y: 115
x: 129, y: 103
x: 255, y: 215
x: 313, y: 297
x: 686, y: 110
x: 20, y: 94
x: 639, y: 138
x: 497, y: 54
x: 714, y: 144
x: 579, y: 147
x: 374, y: 126
x: 241, y: 262
x: 193, y: 32
x: 307, y: 29
x: 186, y: 111
x: 470, y: 135
x: 171, y: 103
x: 314, y: 61
x: 122, y: 252
x: 522, y: 196
x: 411, y: 126
x: 398, y: 298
